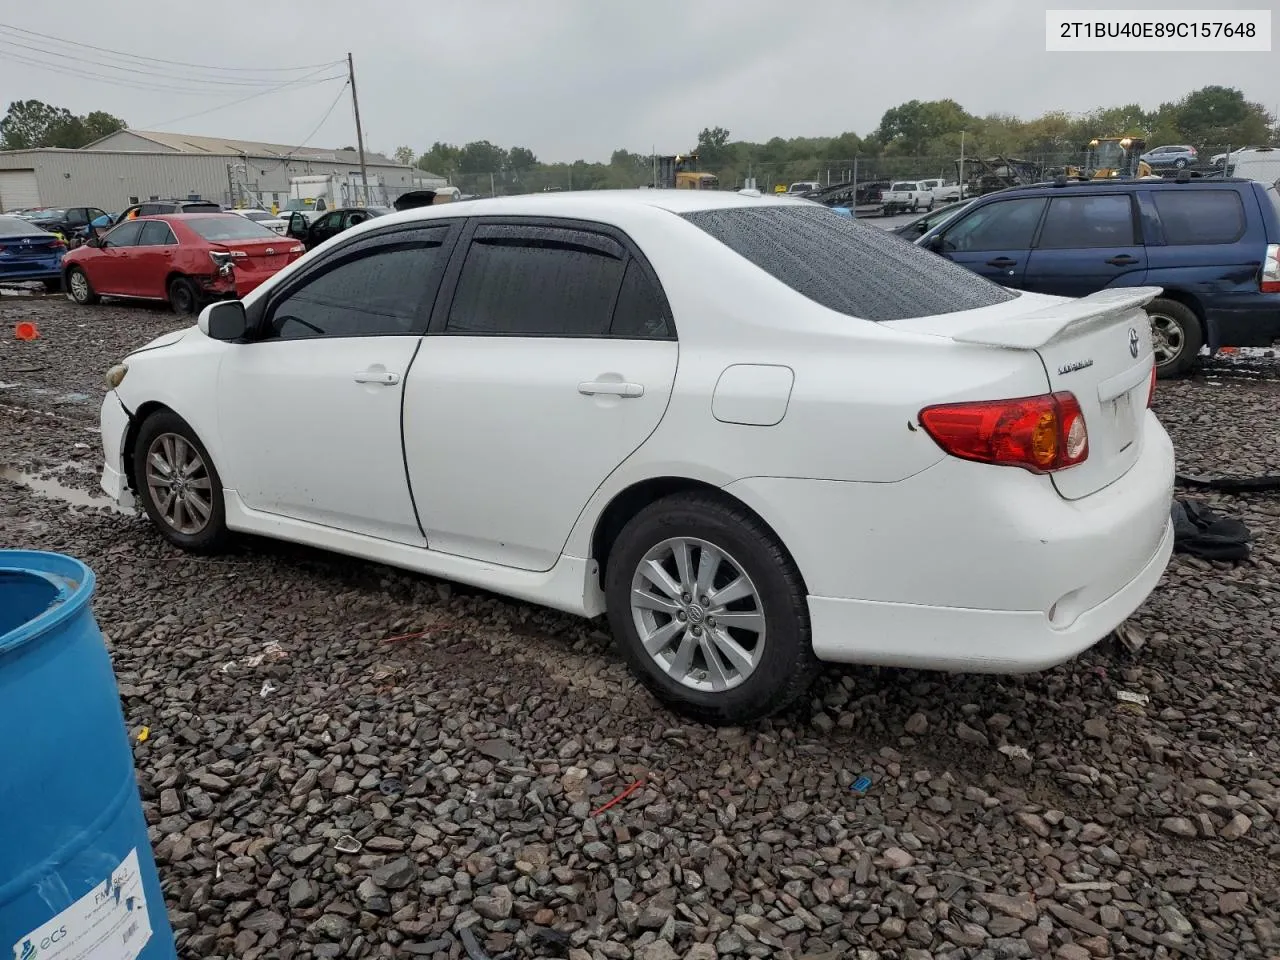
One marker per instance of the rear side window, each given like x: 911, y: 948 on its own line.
x: 1191, y: 216
x: 125, y: 235
x: 848, y: 266
x: 155, y: 233
x: 641, y: 311
x: 1080, y: 222
x: 537, y: 282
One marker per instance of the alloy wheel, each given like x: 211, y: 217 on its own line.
x: 1168, y: 339
x: 178, y: 483
x: 698, y: 614
x: 79, y: 286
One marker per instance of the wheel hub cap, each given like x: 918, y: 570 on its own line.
x: 178, y: 484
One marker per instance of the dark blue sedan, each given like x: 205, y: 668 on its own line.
x: 29, y: 253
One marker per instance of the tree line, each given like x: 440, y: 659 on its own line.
x: 33, y: 123
x: 931, y: 132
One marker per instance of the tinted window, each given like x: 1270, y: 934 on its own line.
x: 1078, y: 222
x: 230, y: 227
x: 1002, y: 225
x: 1199, y: 216
x: 125, y: 235
x: 148, y: 209
x: 848, y: 266
x: 537, y: 282
x: 155, y: 233
x: 200, y: 208
x: 76, y: 216
x: 377, y: 291
x: 641, y: 311
x: 15, y: 227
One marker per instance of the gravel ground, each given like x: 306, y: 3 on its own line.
x: 319, y: 785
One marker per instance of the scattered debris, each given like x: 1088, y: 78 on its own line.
x: 348, y: 844
x: 1130, y: 637
x: 144, y: 734
x: 1128, y: 696
x: 620, y: 797
x: 390, y: 787
x: 861, y: 785
x: 1014, y: 752
x: 268, y: 688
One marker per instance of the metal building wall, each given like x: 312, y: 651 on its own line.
x: 108, y: 178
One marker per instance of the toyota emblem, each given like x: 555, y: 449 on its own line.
x: 272, y: 250
x: 1134, y: 343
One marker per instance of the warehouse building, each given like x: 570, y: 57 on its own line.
x: 131, y: 166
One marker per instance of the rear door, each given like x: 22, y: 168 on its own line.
x: 1088, y: 242
x: 994, y: 239
x: 552, y: 363
x: 152, y: 258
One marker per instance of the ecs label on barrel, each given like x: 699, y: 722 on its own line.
x: 110, y: 922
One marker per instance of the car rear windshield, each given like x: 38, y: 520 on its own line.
x: 257, y: 215
x: 848, y: 266
x: 229, y: 227
x: 903, y: 186
x: 15, y: 227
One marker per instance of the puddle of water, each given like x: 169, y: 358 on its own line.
x: 54, y: 490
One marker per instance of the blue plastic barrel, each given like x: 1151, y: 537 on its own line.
x: 77, y: 876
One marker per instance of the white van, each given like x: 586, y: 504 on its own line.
x: 1261, y: 164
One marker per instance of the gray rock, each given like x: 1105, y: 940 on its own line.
x: 917, y: 724
x: 972, y: 735
x: 303, y: 892
x: 395, y: 875
x: 330, y: 926
x: 1236, y: 827
x: 497, y: 906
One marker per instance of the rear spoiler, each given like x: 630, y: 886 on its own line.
x: 1034, y: 330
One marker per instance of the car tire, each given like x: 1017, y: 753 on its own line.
x: 776, y: 664
x: 53, y: 286
x: 78, y: 288
x: 189, y: 512
x: 184, y: 298
x: 1177, y: 336
x: 1180, y: 163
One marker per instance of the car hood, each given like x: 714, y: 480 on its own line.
x: 164, y: 340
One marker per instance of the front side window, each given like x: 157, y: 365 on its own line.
x: 376, y: 291
x: 848, y: 266
x: 125, y: 235
x: 537, y: 282
x: 1082, y: 222
x: 1190, y: 216
x: 1002, y: 225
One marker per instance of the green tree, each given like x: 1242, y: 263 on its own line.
x: 481, y: 156
x: 910, y: 127
x: 34, y: 123
x: 404, y: 155
x: 521, y: 159
x: 443, y: 159
x: 1215, y: 116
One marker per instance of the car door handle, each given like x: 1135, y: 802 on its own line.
x: 611, y: 388
x: 1122, y: 261
x: 1002, y: 262
x: 384, y: 377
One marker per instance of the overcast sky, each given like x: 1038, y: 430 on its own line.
x: 578, y: 78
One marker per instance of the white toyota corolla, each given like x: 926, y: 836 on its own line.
x: 757, y: 434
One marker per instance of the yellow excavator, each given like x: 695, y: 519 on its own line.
x: 1109, y: 158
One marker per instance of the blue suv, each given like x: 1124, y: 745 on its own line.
x: 1212, y: 245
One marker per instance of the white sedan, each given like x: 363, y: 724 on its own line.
x: 271, y: 221
x: 756, y: 434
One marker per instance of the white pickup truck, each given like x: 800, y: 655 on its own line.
x: 906, y: 196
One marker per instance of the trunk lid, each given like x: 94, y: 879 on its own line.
x: 265, y: 254
x: 30, y: 246
x: 1098, y: 348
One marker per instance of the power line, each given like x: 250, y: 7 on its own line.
x: 261, y: 93
x: 316, y: 129
x: 176, y: 63
x: 142, y: 72
x: 139, y: 84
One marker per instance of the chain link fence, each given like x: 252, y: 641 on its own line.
x: 772, y: 176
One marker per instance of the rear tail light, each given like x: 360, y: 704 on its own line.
x: 59, y: 243
x: 1270, y: 279
x: 1039, y: 434
x: 1151, y: 389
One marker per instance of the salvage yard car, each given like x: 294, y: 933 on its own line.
x: 1212, y: 245
x: 185, y: 259
x: 864, y: 454
x: 907, y: 196
x: 29, y: 253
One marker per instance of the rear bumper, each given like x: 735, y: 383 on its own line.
x: 1251, y: 320
x: 970, y: 567
x: 46, y: 269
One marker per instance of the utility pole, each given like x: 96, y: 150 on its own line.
x: 355, y: 105
x: 961, y: 164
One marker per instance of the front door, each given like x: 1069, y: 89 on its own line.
x: 329, y: 225
x: 995, y: 239
x: 111, y: 269
x: 309, y: 411
x: 553, y: 362
x: 1088, y: 242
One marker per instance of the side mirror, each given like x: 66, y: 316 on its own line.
x: 225, y: 320
x: 934, y: 243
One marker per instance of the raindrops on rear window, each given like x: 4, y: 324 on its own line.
x: 850, y: 267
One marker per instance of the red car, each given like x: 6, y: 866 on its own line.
x: 186, y: 259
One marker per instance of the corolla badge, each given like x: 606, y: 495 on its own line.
x: 1074, y: 366
x: 1134, y: 343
